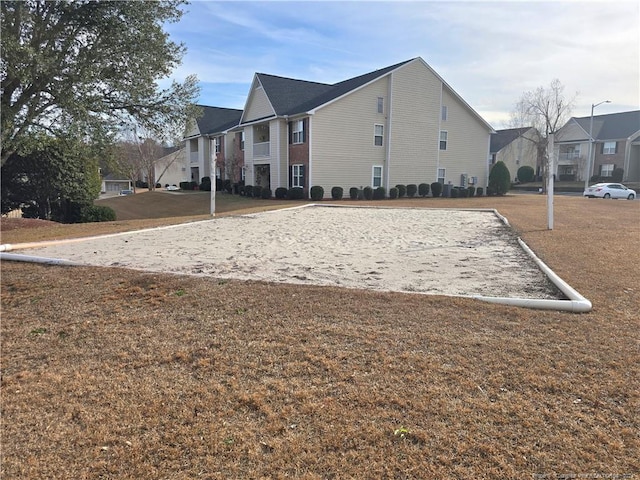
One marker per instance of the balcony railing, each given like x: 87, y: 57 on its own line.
x: 569, y: 156
x: 261, y: 149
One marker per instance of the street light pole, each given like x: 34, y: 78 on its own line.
x: 589, y: 162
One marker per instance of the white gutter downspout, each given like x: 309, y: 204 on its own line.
x: 438, y: 136
x: 310, y: 157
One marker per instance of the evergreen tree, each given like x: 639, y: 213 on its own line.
x: 499, y: 178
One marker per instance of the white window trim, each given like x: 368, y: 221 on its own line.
x: 606, y: 150
x: 373, y: 175
x: 297, y: 131
x: 217, y: 142
x: 444, y: 113
x: 296, y: 177
x: 443, y: 176
x: 446, y: 140
x: 375, y: 135
x: 380, y: 105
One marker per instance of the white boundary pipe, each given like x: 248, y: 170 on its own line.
x: 576, y: 303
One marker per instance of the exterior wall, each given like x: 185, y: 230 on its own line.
x: 632, y: 170
x: 258, y: 105
x: 299, y: 155
x: 600, y: 158
x: 342, y: 139
x: 467, y: 144
x: 176, y: 169
x: 198, y: 158
x: 415, y: 119
x: 521, y: 152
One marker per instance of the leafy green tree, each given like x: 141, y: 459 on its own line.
x: 93, y: 63
x: 53, y: 181
x: 499, y: 178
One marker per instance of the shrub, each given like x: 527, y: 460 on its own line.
x: 226, y: 186
x: 379, y: 193
x: 98, y: 213
x: 500, y: 178
x: 248, y: 190
x: 472, y: 191
x: 368, y: 193
x: 266, y: 193
x: 393, y: 193
x: 412, y: 189
x: 479, y: 192
x: 296, y: 193
x: 526, y: 174
x: 281, y: 193
x: 158, y: 185
x: 317, y: 193
x: 617, y: 175
x: 423, y: 189
x: 490, y: 191
x: 241, y: 191
x: 185, y: 185
x: 436, y: 189
x: 353, y: 193
x: 464, y: 193
x: 205, y: 185
x: 402, y: 190
x: 455, y: 192
x: 257, y: 191
x: 194, y: 185
x: 336, y: 193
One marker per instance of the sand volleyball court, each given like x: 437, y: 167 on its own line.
x: 435, y: 251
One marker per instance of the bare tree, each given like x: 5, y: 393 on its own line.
x: 547, y: 110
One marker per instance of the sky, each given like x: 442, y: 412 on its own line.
x: 490, y: 53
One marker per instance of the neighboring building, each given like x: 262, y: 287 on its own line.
x: 171, y: 168
x: 516, y: 147
x: 113, y: 184
x: 616, y: 144
x: 211, y: 132
x: 399, y: 125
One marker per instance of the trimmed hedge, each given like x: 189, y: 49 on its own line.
x: 379, y: 193
x: 526, y: 174
x: 393, y: 193
x: 98, y: 213
x: 472, y: 191
x: 317, y: 193
x: 281, y: 193
x: 266, y: 194
x: 257, y: 191
x: 423, y: 189
x: 412, y: 189
x: 296, y: 193
x: 402, y: 190
x: 436, y: 189
x: 248, y: 190
x: 500, y: 178
x: 353, y: 193
x: 368, y: 193
x: 479, y: 192
x: 336, y: 193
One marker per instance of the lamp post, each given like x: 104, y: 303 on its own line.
x: 588, y: 172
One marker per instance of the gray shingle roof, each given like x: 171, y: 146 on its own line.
x: 289, y: 96
x: 216, y: 119
x: 613, y: 126
x: 502, y: 138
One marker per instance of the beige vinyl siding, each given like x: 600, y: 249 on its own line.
x: 467, y: 143
x: 342, y: 139
x: 258, y: 105
x: 521, y: 149
x: 415, y: 115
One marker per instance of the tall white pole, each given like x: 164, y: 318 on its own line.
x: 589, y: 157
x: 212, y: 176
x: 550, y: 173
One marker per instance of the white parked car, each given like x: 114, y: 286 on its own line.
x: 609, y: 190
x: 172, y: 188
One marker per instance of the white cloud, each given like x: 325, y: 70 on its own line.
x: 489, y: 52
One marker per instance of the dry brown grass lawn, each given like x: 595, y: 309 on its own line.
x: 109, y: 373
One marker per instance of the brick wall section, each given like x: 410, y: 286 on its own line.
x: 603, y: 159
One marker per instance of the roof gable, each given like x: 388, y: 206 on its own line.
x: 216, y: 119
x: 502, y: 138
x: 613, y: 126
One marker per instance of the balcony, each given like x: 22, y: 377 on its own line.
x: 262, y: 149
x: 193, y: 157
x: 569, y: 156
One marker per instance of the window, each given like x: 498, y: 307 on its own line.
x: 218, y: 173
x: 243, y: 173
x: 606, y: 170
x: 609, y: 148
x: 444, y: 113
x: 378, y: 135
x: 297, y: 176
x: 441, y: 173
x: 443, y: 140
x: 240, y: 137
x: 216, y: 143
x: 297, y: 131
x: 380, y: 105
x: 377, y: 176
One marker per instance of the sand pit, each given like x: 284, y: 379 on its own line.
x: 435, y: 251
